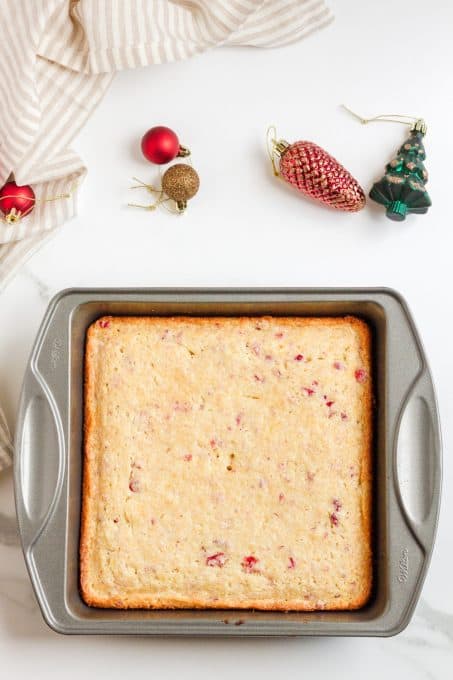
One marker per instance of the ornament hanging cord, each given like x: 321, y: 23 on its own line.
x: 415, y: 122
x: 160, y: 201
x: 151, y: 189
x: 271, y: 142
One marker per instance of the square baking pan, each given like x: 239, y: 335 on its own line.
x: 406, y: 461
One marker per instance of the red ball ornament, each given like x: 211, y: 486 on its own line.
x: 16, y: 202
x: 160, y: 145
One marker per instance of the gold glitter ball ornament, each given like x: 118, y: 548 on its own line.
x: 180, y: 182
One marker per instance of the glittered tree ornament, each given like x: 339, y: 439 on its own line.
x: 315, y: 173
x: 402, y: 189
x: 16, y: 202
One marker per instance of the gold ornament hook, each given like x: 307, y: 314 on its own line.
x: 275, y: 147
x: 183, y: 152
x: 161, y: 200
x: 152, y: 190
x: 417, y: 124
x: 271, y: 142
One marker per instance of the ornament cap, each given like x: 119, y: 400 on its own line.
x: 279, y: 146
x: 183, y: 152
x: 13, y: 216
x: 420, y: 126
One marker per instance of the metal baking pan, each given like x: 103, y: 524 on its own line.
x: 407, y: 461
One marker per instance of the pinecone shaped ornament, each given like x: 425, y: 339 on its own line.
x: 316, y: 174
x: 402, y: 189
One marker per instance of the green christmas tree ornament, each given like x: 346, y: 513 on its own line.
x: 402, y: 189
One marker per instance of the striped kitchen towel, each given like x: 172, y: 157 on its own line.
x: 57, y: 59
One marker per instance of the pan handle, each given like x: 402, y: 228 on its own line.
x: 419, y: 461
x: 39, y: 464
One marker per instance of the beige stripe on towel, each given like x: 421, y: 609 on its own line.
x: 57, y: 59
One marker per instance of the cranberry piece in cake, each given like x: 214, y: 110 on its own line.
x: 134, y: 485
x: 249, y: 563
x: 361, y: 375
x: 216, y: 560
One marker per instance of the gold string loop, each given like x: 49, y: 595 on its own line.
x: 161, y: 200
x: 152, y: 190
x: 271, y: 143
x: 416, y: 123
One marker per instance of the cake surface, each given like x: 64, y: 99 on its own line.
x: 227, y: 463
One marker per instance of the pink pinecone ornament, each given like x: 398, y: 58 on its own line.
x: 315, y: 173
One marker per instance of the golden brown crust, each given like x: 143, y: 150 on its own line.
x: 366, y: 459
x: 189, y: 603
x: 89, y: 594
x: 87, y: 482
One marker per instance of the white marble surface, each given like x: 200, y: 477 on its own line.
x: 246, y: 229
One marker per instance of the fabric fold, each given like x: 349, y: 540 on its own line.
x: 59, y: 60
